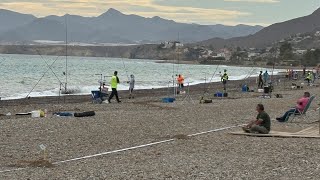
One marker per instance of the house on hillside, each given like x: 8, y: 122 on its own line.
x: 171, y: 44
x: 299, y: 51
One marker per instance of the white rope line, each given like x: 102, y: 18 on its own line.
x: 216, y: 130
x: 18, y: 169
x: 115, y: 151
x: 127, y: 149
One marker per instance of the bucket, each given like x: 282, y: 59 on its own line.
x: 244, y: 88
x: 260, y: 90
x: 266, y: 89
x: 95, y: 94
x: 35, y: 114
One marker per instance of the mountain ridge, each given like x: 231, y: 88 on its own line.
x: 115, y: 27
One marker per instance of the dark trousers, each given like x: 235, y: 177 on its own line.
x: 114, y: 93
x: 288, y: 113
x: 260, y: 84
x: 224, y: 82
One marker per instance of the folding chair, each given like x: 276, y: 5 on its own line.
x: 303, y: 113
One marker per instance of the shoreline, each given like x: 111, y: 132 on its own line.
x: 251, y: 78
x: 197, y: 89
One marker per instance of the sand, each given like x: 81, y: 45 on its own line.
x: 145, y: 119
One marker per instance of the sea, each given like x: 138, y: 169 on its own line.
x: 24, y: 76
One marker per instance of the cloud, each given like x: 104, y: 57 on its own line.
x: 147, y: 8
x: 254, y: 1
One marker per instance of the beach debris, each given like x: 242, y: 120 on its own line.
x: 44, y: 151
x: 204, y: 101
x: 63, y: 114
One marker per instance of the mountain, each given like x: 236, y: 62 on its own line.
x: 272, y: 33
x: 11, y: 20
x: 113, y: 27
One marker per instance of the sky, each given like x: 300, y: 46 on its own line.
x: 227, y: 12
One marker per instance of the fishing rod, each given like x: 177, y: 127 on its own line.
x: 41, y: 78
x: 49, y: 66
x: 250, y: 73
x: 124, y: 66
x: 214, y: 73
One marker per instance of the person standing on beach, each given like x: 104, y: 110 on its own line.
x: 224, y: 79
x: 260, y: 81
x: 180, y: 80
x: 131, y: 86
x: 265, y: 78
x: 309, y: 78
x: 261, y: 124
x: 314, y: 73
x: 114, y: 84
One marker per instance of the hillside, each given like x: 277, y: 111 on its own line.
x: 270, y: 34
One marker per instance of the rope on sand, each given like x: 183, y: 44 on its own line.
x: 129, y: 148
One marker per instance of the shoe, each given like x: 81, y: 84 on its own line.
x: 119, y: 101
x: 279, y: 119
x: 109, y: 101
x: 246, y: 130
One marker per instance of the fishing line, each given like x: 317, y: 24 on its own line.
x: 49, y: 66
x: 206, y: 89
x: 41, y: 78
x: 124, y: 66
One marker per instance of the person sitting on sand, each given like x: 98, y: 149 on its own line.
x: 261, y: 124
x: 301, y: 104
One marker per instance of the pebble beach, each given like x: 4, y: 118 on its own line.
x: 146, y: 119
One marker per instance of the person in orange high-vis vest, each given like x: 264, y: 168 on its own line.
x: 180, y: 80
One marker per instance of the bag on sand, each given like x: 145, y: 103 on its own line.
x: 84, y: 114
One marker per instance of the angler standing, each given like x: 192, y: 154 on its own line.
x: 114, y: 84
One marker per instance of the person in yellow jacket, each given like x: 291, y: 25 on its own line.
x: 114, y: 83
x: 309, y: 78
x: 224, y: 79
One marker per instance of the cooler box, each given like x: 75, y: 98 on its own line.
x: 218, y: 94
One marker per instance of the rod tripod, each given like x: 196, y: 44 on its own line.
x: 187, y: 96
